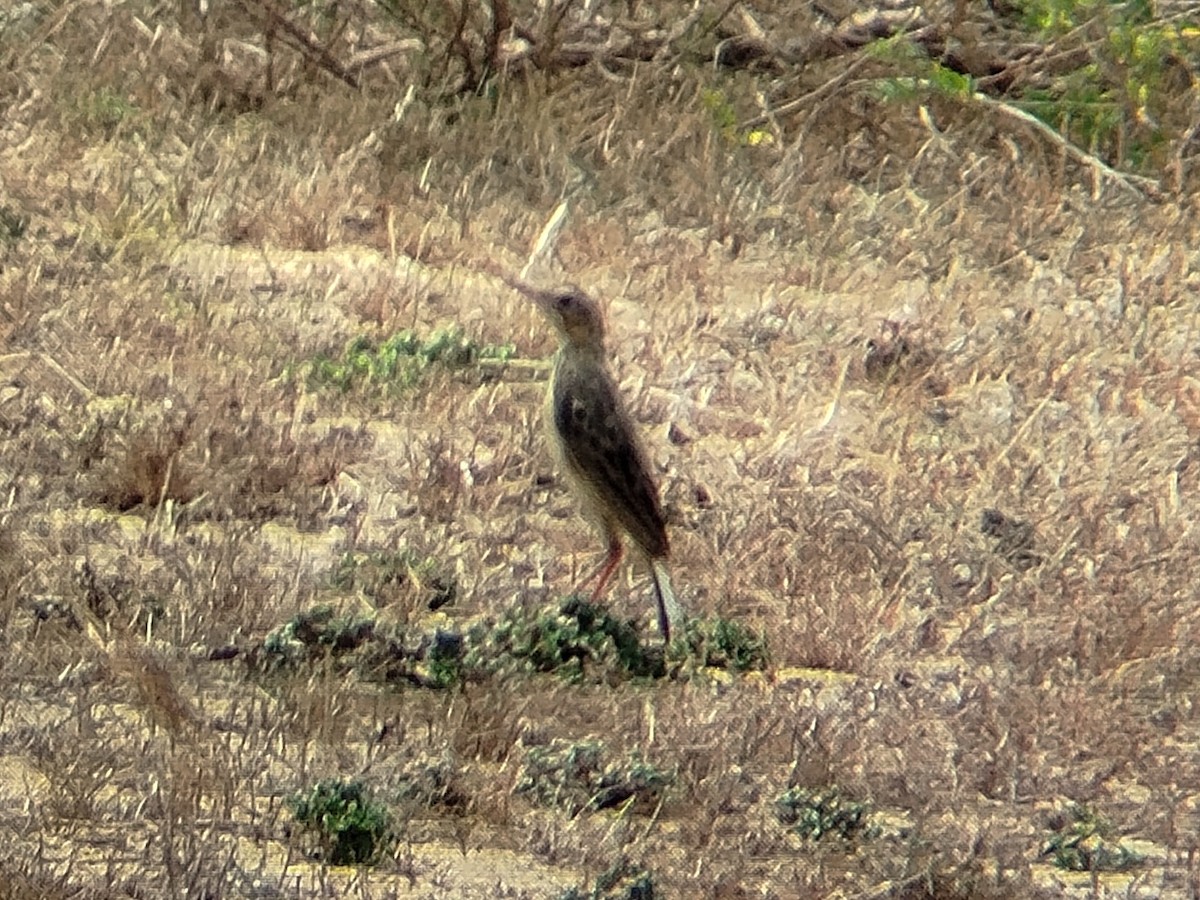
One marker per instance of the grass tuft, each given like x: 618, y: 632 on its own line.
x: 386, y: 575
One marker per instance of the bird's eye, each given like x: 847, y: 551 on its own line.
x: 565, y: 301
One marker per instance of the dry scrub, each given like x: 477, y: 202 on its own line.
x: 922, y: 403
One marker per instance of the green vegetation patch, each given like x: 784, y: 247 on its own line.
x: 721, y: 643
x: 399, y: 362
x: 13, y: 225
x: 580, y: 637
x: 1084, y: 842
x: 814, y: 813
x: 573, y: 775
x: 101, y: 112
x: 315, y: 633
x: 347, y: 826
x: 578, y: 641
x: 1128, y: 78
x: 724, y: 120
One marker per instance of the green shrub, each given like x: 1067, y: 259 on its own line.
x: 814, y: 813
x: 398, y: 363
x: 579, y: 636
x: 1123, y: 102
x: 350, y: 827
x: 1084, y: 844
x: 573, y: 775
x: 316, y: 632
x: 735, y: 646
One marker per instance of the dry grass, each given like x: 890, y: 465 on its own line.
x: 844, y: 347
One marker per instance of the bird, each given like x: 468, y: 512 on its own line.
x: 596, y: 445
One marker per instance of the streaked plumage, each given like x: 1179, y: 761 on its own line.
x: 597, y: 445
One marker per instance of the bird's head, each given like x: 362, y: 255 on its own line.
x: 576, y: 316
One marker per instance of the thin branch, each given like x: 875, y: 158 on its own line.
x: 1136, y: 184
x: 501, y: 23
x: 367, y: 58
x: 458, y: 44
x: 308, y: 43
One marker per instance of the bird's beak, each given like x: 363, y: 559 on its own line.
x: 541, y: 297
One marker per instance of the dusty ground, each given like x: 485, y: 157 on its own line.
x: 844, y: 348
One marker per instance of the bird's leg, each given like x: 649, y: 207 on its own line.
x: 605, y: 570
x: 615, y: 552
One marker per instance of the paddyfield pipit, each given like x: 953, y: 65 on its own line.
x: 597, y: 448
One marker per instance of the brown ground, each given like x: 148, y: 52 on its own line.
x: 859, y: 337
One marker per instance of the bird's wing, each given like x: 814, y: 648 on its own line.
x: 600, y: 443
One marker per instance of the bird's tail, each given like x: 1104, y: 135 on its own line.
x: 670, y: 613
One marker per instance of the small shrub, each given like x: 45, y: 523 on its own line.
x: 723, y: 644
x: 399, y: 363
x: 813, y: 813
x: 316, y: 632
x: 573, y: 776
x: 736, y: 647
x: 444, y: 658
x: 102, y: 112
x: 350, y: 827
x: 1115, y: 103
x: 579, y: 636
x: 1084, y: 844
x: 380, y: 654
